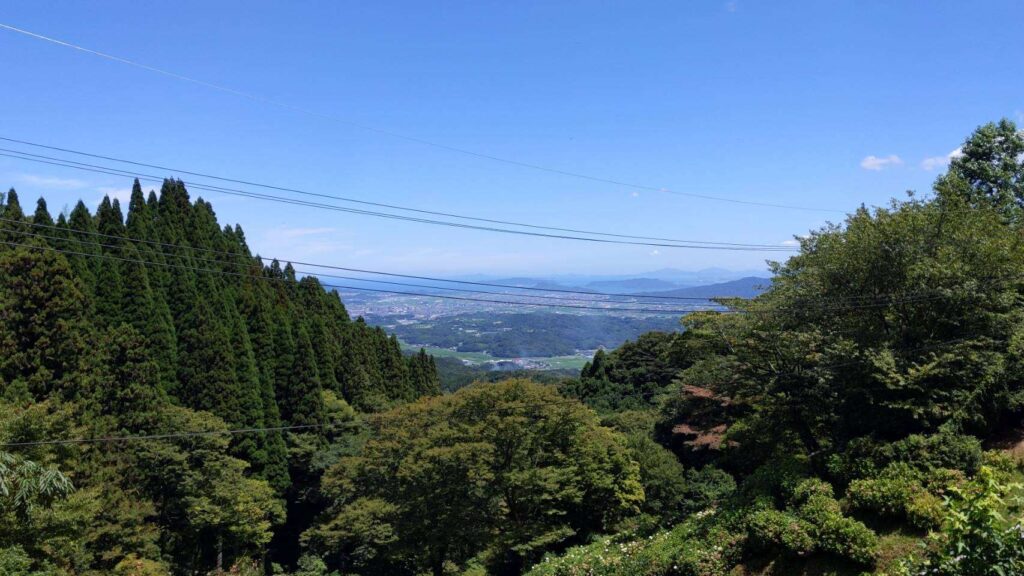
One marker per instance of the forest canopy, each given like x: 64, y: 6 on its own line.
x: 861, y: 416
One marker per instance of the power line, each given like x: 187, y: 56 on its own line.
x: 360, y: 289
x: 362, y: 270
x: 882, y: 299
x: 272, y: 198
x: 562, y: 402
x: 680, y: 312
x: 369, y: 203
x: 311, y: 272
x: 401, y: 136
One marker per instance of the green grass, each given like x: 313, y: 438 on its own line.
x: 554, y: 362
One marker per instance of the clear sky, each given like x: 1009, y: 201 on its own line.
x: 818, y: 104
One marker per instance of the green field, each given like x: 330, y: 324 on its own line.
x: 553, y: 362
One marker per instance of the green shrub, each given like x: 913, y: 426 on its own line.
x: 976, y: 537
x: 808, y: 489
x: 776, y: 478
x: 924, y: 511
x: 943, y: 450
x: 900, y: 493
x: 815, y: 503
x: 679, y: 552
x: 847, y: 538
x: 775, y: 530
x: 707, y: 486
x: 866, y: 457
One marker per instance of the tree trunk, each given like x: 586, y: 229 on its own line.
x: 220, y: 553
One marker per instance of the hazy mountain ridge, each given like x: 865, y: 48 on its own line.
x: 748, y: 287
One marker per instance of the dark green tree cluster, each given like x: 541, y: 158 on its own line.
x: 632, y: 375
x: 858, y: 391
x: 161, y: 321
x: 492, y: 475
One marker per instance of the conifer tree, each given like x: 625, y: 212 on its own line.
x: 300, y: 399
x: 42, y: 217
x: 83, y: 248
x: 12, y: 228
x: 43, y: 324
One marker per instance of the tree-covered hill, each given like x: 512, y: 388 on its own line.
x: 850, y: 420
x: 851, y: 402
x: 158, y: 321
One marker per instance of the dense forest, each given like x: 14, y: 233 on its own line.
x: 522, y: 335
x: 864, y: 415
x: 158, y: 322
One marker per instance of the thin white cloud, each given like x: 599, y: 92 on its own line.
x: 655, y: 252
x: 880, y: 163
x: 301, y: 242
x: 287, y: 232
x: 731, y: 6
x: 51, y: 182
x: 122, y: 195
x: 791, y: 242
x: 940, y: 161
x: 635, y: 194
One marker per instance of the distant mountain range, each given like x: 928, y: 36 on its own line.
x: 665, y: 282
x: 713, y: 281
x: 748, y: 287
x: 631, y: 285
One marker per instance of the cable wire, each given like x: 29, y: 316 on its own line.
x: 273, y: 198
x: 401, y: 136
x: 369, y: 203
x: 357, y: 288
x: 365, y: 271
x: 566, y: 401
x: 712, y: 308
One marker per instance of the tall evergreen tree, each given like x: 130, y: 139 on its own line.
x: 300, y: 398
x: 44, y: 334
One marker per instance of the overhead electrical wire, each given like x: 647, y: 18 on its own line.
x: 367, y: 202
x: 330, y: 425
x: 401, y: 136
x: 885, y: 299
x: 324, y: 275
x: 711, y: 307
x: 63, y: 162
x: 676, y: 312
x: 364, y: 271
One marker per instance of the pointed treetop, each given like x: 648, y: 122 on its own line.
x: 42, y: 215
x: 13, y: 207
x: 81, y: 219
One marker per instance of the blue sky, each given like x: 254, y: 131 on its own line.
x: 821, y: 104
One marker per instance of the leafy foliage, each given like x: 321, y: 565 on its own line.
x: 157, y: 324
x: 976, y: 537
x: 505, y: 470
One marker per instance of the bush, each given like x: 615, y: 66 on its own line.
x: 847, y: 538
x: 943, y: 450
x: 776, y: 478
x: 833, y: 532
x: 679, y: 552
x: 866, y: 457
x: 976, y: 538
x: 900, y: 493
x: 707, y: 486
x: 775, y: 530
